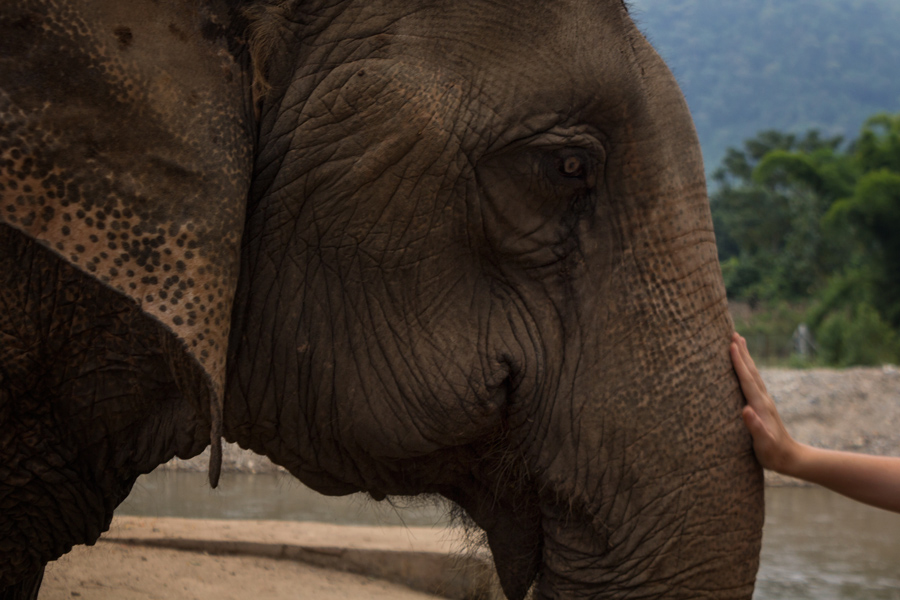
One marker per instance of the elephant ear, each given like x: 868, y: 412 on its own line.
x: 125, y: 149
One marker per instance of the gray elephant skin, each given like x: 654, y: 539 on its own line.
x: 402, y: 247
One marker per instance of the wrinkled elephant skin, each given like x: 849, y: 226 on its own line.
x: 479, y: 262
x: 476, y: 260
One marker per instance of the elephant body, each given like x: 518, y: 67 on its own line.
x: 126, y: 158
x: 460, y: 248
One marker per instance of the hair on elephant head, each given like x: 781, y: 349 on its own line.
x: 465, y: 249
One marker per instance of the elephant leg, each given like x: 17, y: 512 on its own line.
x: 25, y: 589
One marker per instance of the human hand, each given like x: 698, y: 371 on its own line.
x: 775, y: 448
x: 871, y: 479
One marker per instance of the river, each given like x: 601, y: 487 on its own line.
x: 816, y: 545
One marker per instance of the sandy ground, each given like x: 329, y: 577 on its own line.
x: 199, y: 559
x: 111, y: 571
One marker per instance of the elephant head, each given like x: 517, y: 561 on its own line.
x: 460, y: 248
x: 479, y: 262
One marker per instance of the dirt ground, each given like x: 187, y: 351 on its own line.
x: 111, y: 571
x: 203, y: 559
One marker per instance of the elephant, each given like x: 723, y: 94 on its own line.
x: 400, y: 247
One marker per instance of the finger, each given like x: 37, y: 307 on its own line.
x: 741, y: 361
x: 737, y: 360
x: 745, y: 353
x: 755, y: 424
x: 748, y: 414
x: 754, y: 391
x: 745, y: 376
x: 753, y: 369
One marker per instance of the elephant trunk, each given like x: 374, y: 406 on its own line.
x: 657, y: 489
x: 676, y: 511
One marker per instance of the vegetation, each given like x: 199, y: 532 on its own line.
x: 809, y: 230
x: 749, y: 65
x: 808, y: 224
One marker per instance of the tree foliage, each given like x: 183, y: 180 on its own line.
x: 810, y: 220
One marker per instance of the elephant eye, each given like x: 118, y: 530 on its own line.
x: 572, y: 167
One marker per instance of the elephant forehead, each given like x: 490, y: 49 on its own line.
x: 525, y: 60
x: 375, y: 103
x: 493, y: 67
x: 119, y: 155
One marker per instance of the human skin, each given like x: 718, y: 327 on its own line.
x: 477, y: 261
x: 874, y: 480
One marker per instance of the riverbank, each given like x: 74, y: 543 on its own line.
x: 851, y: 409
x: 816, y: 546
x: 112, y: 571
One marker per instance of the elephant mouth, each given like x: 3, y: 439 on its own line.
x: 507, y: 508
x: 501, y: 497
x: 517, y: 544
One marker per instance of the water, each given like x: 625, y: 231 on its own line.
x: 819, y: 545
x: 816, y: 545
x: 267, y: 497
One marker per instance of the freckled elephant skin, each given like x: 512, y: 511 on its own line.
x: 476, y: 260
x: 125, y: 159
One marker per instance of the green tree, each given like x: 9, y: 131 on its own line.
x: 871, y: 212
x: 768, y: 202
x: 806, y: 221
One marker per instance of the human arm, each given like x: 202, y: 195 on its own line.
x: 874, y: 480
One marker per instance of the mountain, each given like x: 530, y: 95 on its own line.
x: 791, y: 65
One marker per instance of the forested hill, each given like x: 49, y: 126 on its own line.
x: 791, y: 65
